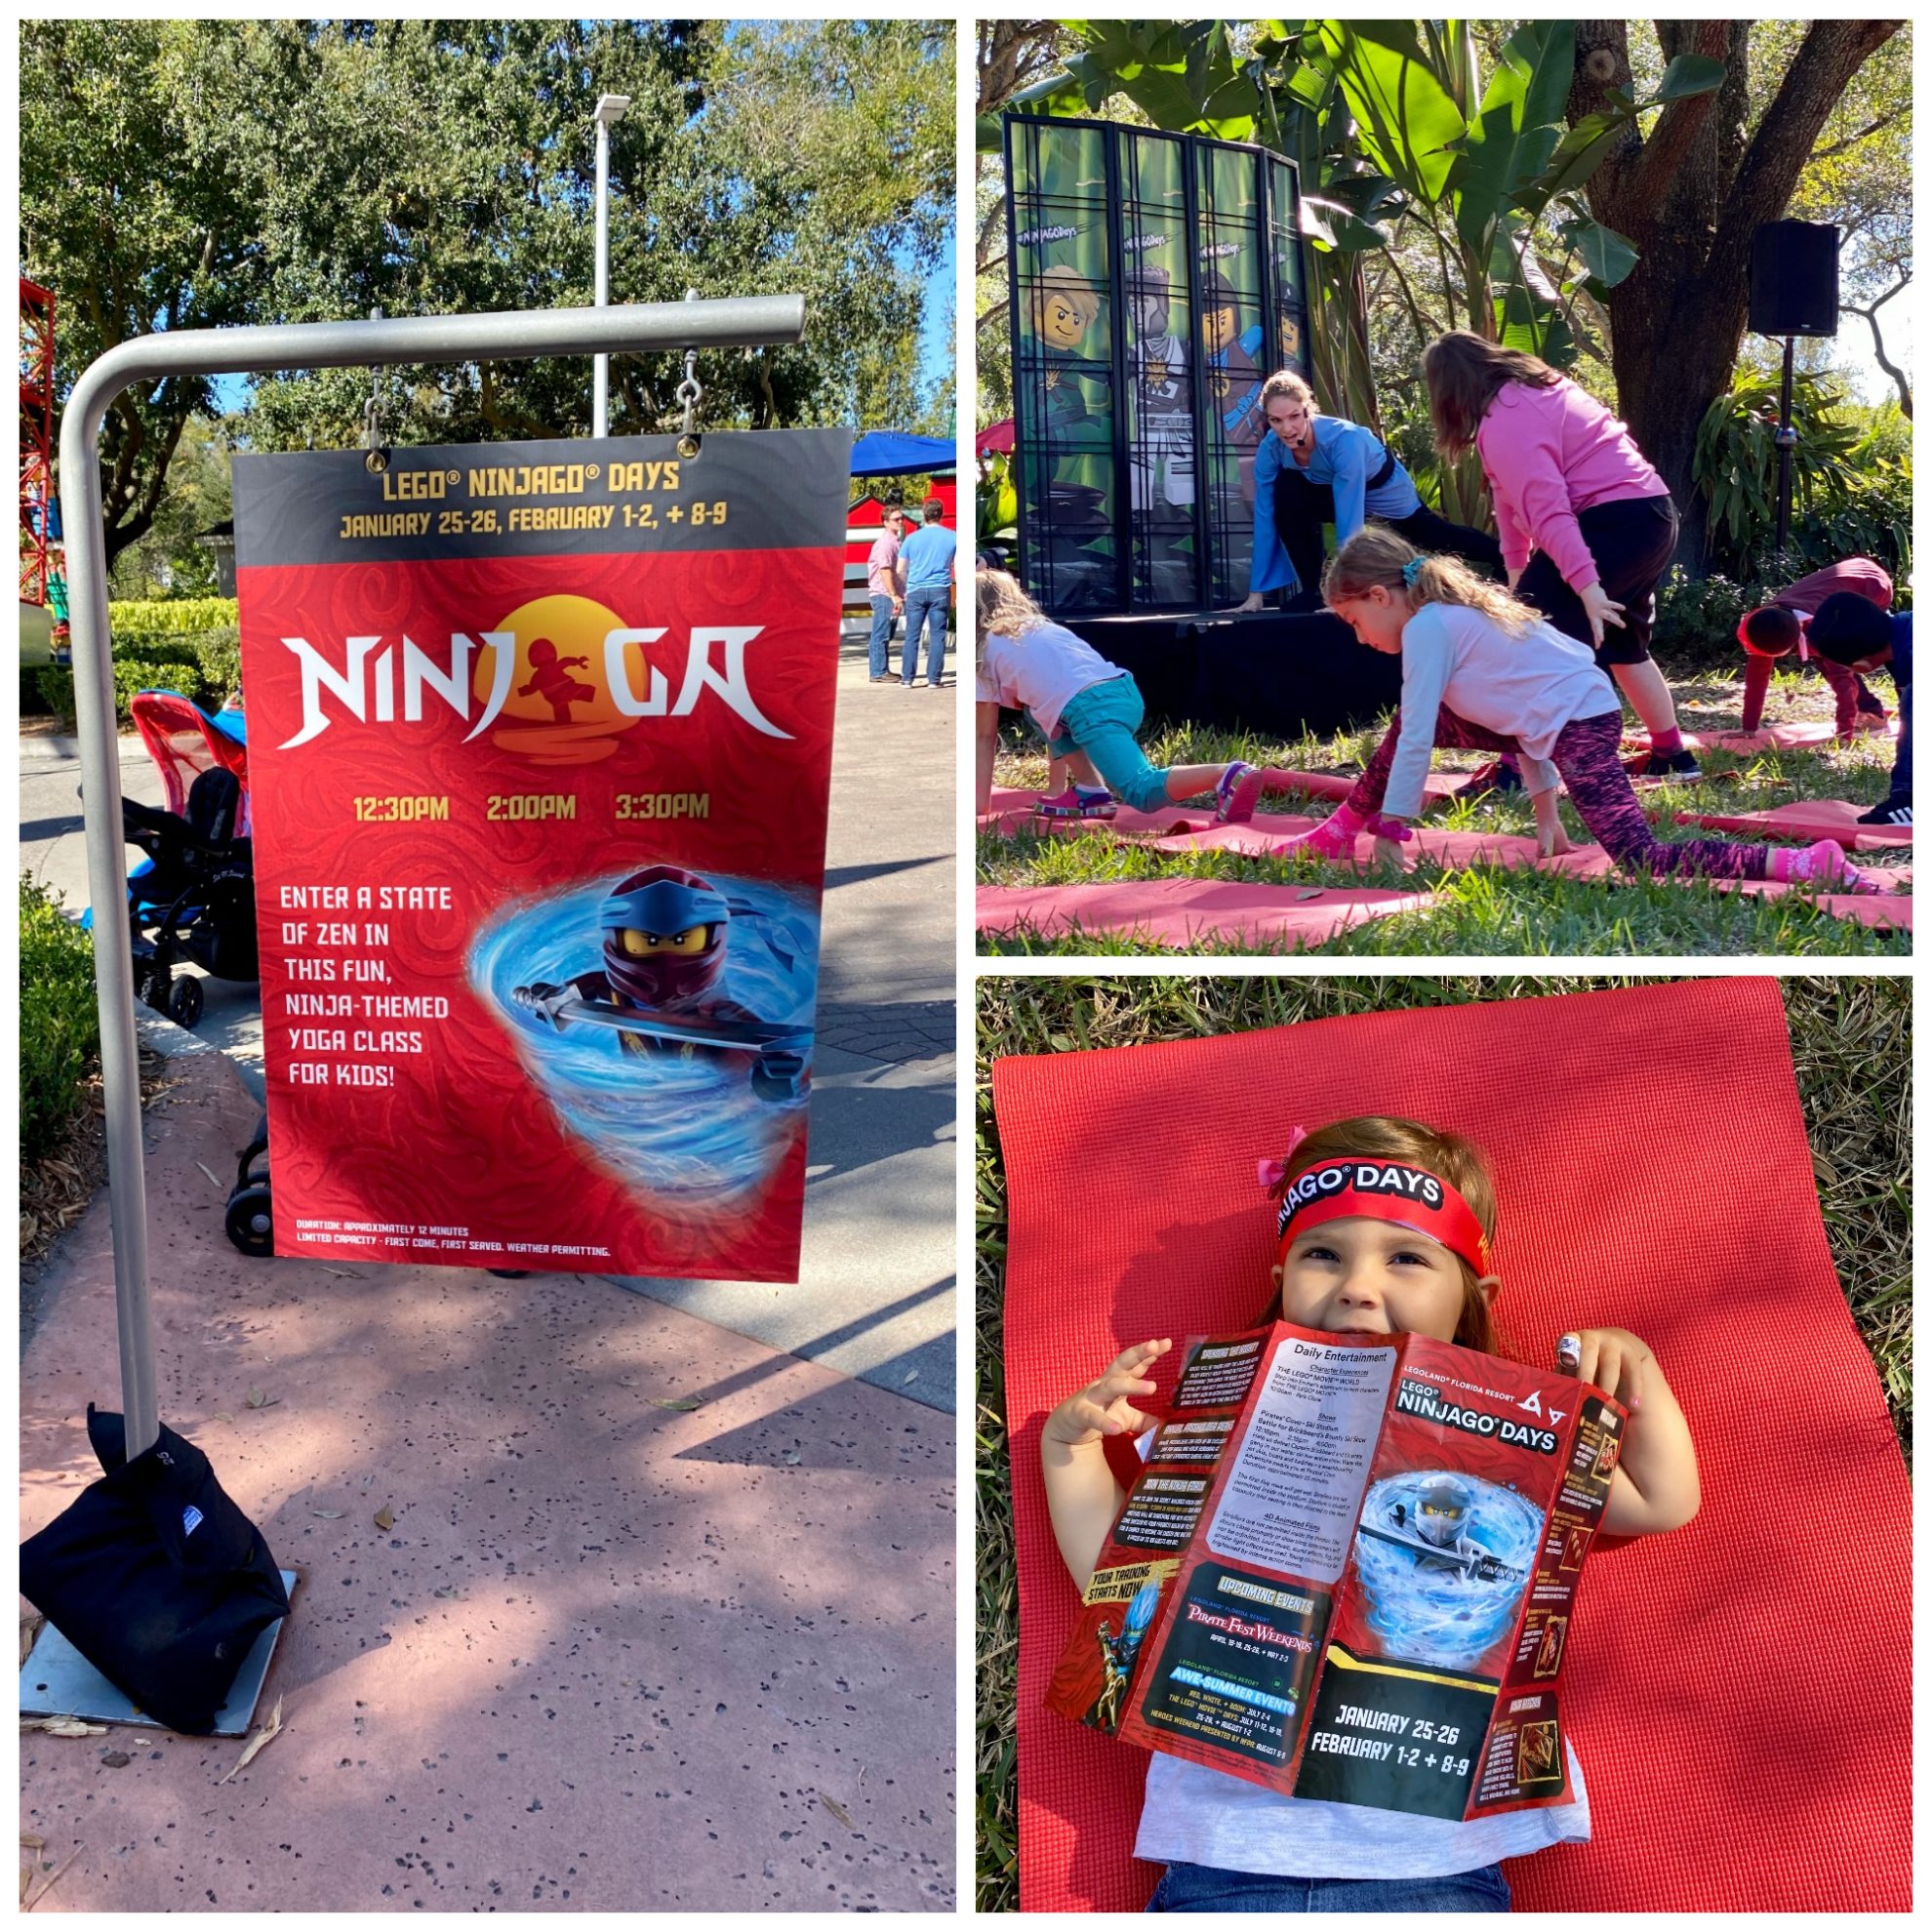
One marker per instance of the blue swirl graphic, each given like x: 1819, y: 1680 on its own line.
x: 687, y: 1127
x: 1430, y: 1613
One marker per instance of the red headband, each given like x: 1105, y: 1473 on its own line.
x: 1383, y: 1190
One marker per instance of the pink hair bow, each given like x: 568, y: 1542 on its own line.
x: 1271, y: 1173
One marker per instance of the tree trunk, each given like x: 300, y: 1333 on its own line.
x: 1689, y: 196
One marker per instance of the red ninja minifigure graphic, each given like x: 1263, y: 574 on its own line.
x: 552, y: 682
x: 665, y: 932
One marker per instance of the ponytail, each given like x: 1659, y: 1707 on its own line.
x: 1376, y: 556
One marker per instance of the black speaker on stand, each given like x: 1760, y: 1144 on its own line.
x: 1793, y: 291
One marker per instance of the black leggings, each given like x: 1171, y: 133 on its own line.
x: 1302, y: 508
x: 1632, y: 542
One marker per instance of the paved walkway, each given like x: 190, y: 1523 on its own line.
x: 877, y: 1289
x: 612, y: 1654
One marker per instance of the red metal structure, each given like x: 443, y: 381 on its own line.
x: 36, y: 439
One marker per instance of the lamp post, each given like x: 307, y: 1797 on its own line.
x: 610, y: 110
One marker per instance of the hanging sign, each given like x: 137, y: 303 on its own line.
x: 540, y: 740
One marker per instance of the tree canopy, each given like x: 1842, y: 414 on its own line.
x: 179, y: 174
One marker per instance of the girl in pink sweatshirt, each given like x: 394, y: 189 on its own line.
x: 1588, y: 527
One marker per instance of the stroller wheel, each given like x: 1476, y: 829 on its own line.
x: 155, y: 988
x: 251, y: 1222
x: 184, y: 1002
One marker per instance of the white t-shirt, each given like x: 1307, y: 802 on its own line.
x: 1192, y: 1815
x: 1041, y: 672
x: 1527, y: 688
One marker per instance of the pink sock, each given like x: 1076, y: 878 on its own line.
x: 1823, y: 864
x: 1665, y: 743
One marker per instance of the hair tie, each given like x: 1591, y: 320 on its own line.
x: 1412, y: 570
x: 1271, y: 1173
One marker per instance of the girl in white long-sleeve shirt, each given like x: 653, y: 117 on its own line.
x: 1482, y: 670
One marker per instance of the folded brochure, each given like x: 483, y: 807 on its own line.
x: 1348, y: 1569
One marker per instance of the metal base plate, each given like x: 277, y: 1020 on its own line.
x: 57, y: 1681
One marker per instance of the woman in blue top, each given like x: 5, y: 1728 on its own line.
x: 1314, y: 469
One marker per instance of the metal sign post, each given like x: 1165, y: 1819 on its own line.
x: 513, y: 336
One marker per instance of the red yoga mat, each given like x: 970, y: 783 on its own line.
x: 1180, y: 913
x: 1810, y: 819
x: 1741, y: 1689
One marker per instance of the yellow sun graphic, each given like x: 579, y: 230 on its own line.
x: 559, y: 709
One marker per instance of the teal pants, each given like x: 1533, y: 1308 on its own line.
x: 1101, y: 721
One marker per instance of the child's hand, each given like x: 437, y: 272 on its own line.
x: 1103, y: 1408
x: 1617, y: 1361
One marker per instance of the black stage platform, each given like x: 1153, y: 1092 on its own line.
x: 1270, y: 673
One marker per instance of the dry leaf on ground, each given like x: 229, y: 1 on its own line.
x: 327, y: 1516
x: 64, y: 1727
x: 386, y: 1517
x: 836, y: 1809
x: 667, y: 1402
x: 262, y: 1733
x: 30, y: 1623
x: 52, y: 1882
x: 257, y: 1398
x: 220, y: 1187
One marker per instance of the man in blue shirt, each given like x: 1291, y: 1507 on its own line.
x: 928, y: 559
x: 1851, y: 631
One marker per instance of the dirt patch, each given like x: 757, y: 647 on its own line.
x: 56, y: 1190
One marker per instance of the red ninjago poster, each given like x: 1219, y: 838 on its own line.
x: 540, y: 740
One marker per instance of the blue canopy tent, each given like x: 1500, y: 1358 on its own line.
x: 891, y: 453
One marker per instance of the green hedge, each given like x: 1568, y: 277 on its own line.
x: 59, y: 1025
x: 206, y: 669
x: 163, y: 616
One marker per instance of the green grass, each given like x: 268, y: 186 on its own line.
x: 1484, y: 910
x: 1851, y: 1043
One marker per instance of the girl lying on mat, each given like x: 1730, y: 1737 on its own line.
x: 1087, y: 710
x: 1481, y: 669
x: 1231, y: 1845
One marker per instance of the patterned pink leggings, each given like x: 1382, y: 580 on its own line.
x: 1585, y: 754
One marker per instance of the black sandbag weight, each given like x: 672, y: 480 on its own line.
x: 156, y: 1577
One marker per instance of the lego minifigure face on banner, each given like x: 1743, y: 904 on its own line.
x: 1063, y: 309
x: 1220, y: 328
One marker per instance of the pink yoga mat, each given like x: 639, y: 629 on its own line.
x: 1739, y: 1690
x: 1180, y: 913
x: 1795, y: 736
x: 1809, y: 818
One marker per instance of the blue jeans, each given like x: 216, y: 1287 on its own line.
x: 926, y: 608
x: 882, y: 620
x: 1101, y: 721
x: 1202, y: 1888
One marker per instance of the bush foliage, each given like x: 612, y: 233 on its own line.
x: 205, y: 665
x: 59, y: 1026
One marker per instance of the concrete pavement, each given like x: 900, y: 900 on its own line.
x: 654, y: 1617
